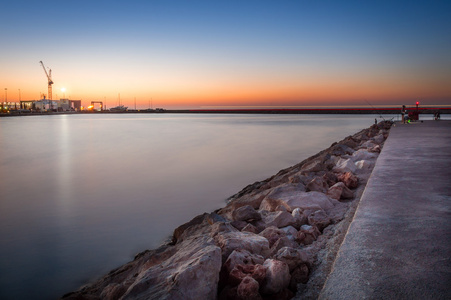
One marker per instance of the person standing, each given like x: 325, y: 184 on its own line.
x: 403, y: 114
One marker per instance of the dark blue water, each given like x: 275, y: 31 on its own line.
x: 82, y: 194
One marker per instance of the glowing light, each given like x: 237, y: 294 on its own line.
x: 63, y: 89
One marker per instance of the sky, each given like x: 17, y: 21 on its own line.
x: 207, y: 54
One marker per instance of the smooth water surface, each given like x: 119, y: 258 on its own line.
x: 82, y: 194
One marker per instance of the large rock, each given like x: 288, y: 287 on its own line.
x: 349, y: 179
x: 340, y: 149
x: 248, y: 289
x: 307, y: 234
x: 279, y: 219
x: 299, y: 178
x: 340, y: 191
x: 345, y: 165
x: 315, y: 165
x: 230, y: 241
x: 363, y: 154
x: 192, y: 273
x: 283, y: 242
x: 252, y: 199
x: 242, y: 257
x: 272, y: 234
x: 378, y: 139
x: 239, y: 224
x: 290, y: 232
x: 317, y: 184
x: 239, y: 272
x: 320, y: 219
x: 375, y: 149
x: 276, y: 197
x: 250, y: 228
x: 330, y: 178
x: 179, y: 230
x: 293, y: 257
x: 364, y: 165
x: 246, y: 213
x: 277, y: 276
x: 308, y: 200
x: 368, y: 144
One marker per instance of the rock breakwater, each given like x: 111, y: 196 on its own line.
x: 275, y: 239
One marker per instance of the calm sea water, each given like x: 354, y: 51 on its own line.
x: 82, y: 194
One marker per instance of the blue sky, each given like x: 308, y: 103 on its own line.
x: 196, y: 53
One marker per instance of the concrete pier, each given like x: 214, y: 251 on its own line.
x: 399, y: 243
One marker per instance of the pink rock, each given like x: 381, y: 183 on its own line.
x: 307, y: 211
x: 330, y: 178
x: 279, y: 219
x: 290, y: 232
x: 334, y: 192
x: 340, y: 191
x: 293, y: 257
x: 281, y: 208
x: 315, y: 165
x: 363, y: 154
x: 317, y: 184
x: 320, y: 219
x: 239, y: 272
x: 246, y: 213
x: 242, y: 257
x: 375, y: 149
x: 364, y: 165
x: 307, y: 234
x: 349, y: 179
x: 239, y: 224
x: 230, y: 241
x: 310, y: 199
x: 259, y: 273
x: 277, y: 196
x: 191, y: 273
x: 281, y: 243
x: 252, y: 199
x: 250, y: 228
x: 345, y: 165
x: 277, y: 276
x: 248, y: 289
x: 272, y: 234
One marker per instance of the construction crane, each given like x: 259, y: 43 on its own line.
x: 49, y: 77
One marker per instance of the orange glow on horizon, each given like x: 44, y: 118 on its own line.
x: 256, y: 92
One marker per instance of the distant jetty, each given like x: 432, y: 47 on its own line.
x: 355, y: 111
x: 274, y: 239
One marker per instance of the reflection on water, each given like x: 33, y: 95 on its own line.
x: 81, y: 194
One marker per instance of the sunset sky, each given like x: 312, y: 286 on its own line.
x: 194, y: 54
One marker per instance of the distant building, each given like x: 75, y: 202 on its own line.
x: 45, y: 104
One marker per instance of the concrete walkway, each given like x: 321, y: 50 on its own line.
x: 399, y: 243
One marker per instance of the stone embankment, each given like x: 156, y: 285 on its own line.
x: 275, y: 239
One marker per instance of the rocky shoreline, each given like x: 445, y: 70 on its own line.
x: 275, y: 239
